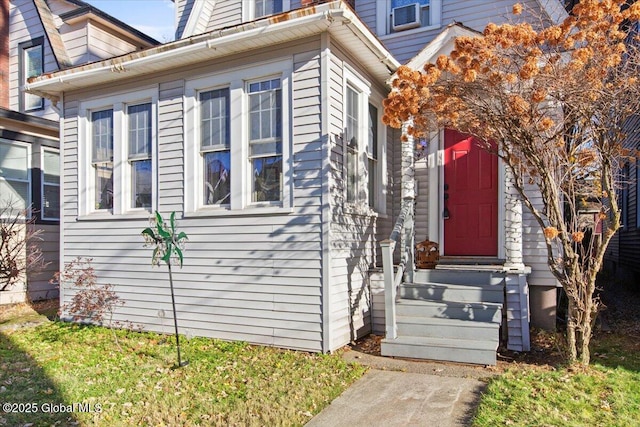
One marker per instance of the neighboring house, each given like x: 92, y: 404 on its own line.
x: 261, y: 128
x: 38, y: 37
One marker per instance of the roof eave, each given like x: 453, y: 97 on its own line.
x: 51, y: 85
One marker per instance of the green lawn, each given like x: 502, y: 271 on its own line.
x: 605, y: 394
x: 126, y: 379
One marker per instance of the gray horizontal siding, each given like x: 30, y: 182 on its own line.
x: 225, y: 14
x: 49, y: 245
x: 256, y: 278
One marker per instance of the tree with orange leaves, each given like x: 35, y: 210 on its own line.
x: 555, y: 102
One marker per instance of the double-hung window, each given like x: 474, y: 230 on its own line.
x: 398, y: 16
x: 352, y: 135
x: 117, y: 170
x: 102, y: 158
x: 364, y: 159
x: 265, y: 140
x: 15, y: 177
x: 239, y: 122
x: 215, y: 146
x: 140, y: 133
x: 31, y: 64
x: 50, y: 185
x: 372, y: 156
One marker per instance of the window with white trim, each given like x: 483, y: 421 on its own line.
x: 353, y: 147
x: 373, y: 179
x: 15, y: 175
x: 31, y: 64
x: 50, y: 185
x: 242, y: 122
x: 363, y: 144
x: 265, y: 140
x: 215, y: 146
x: 398, y: 16
x: 117, y: 175
x: 102, y: 158
x: 267, y: 7
x: 140, y: 164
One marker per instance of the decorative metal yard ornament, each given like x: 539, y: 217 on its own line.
x: 168, y: 246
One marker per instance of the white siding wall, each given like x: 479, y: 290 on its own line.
x: 256, y: 278
x: 353, y: 236
x: 75, y: 38
x: 25, y: 25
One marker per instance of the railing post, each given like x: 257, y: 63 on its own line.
x: 387, y: 247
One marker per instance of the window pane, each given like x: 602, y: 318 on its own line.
x: 266, y: 149
x: 51, y: 167
x: 104, y: 185
x: 372, y: 145
x: 352, y: 118
x: 372, y: 164
x: 352, y: 175
x: 102, y: 135
x: 14, y: 192
x: 13, y: 162
x: 141, y: 184
x: 265, y: 105
x: 51, y: 201
x: 33, y: 61
x: 217, y: 178
x: 139, y: 117
x: 214, y: 118
x: 267, y: 179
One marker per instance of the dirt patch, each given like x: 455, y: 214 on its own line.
x: 16, y: 316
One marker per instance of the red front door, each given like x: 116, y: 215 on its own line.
x: 471, y: 197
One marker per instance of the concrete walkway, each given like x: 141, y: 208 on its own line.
x: 397, y: 392
x: 388, y: 398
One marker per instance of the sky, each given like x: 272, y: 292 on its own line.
x: 153, y: 17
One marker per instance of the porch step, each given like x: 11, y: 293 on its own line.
x: 478, y: 311
x: 460, y: 277
x: 454, y: 350
x: 452, y: 292
x: 425, y: 327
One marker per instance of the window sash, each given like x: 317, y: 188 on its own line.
x: 102, y: 136
x: 267, y: 7
x: 217, y: 177
x: 352, y: 131
x: 139, y: 131
x: 103, y: 184
x: 15, y: 179
x: 141, y: 184
x: 33, y: 65
x: 215, y: 121
x: 50, y: 199
x: 266, y: 183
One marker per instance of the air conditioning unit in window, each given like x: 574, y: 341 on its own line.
x: 405, y: 17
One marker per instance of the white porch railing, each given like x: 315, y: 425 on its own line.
x: 402, y: 233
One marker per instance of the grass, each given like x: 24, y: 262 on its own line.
x: 128, y: 377
x: 607, y: 393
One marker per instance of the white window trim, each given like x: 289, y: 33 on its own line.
x: 356, y: 82
x: 29, y: 201
x: 383, y: 24
x: 249, y: 13
x: 380, y: 186
x: 42, y: 183
x: 121, y: 170
x: 236, y: 81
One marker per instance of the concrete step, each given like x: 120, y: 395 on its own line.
x: 460, y: 277
x: 453, y: 350
x: 481, y: 312
x: 452, y: 292
x: 450, y: 328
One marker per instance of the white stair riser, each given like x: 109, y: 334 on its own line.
x: 469, y: 332
x: 444, y: 293
x: 459, y: 277
x: 480, y: 357
x: 477, y: 312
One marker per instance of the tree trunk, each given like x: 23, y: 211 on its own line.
x: 571, y: 331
